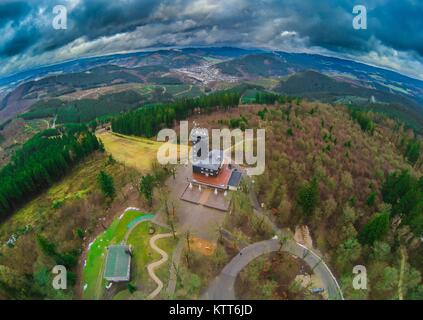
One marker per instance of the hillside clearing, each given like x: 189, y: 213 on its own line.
x: 135, y: 152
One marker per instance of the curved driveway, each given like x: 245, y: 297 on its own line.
x: 222, y: 288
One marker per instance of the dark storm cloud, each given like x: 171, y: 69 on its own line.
x: 396, y: 24
x: 97, y: 18
x: 393, y: 37
x: 22, y: 41
x: 400, y: 25
x: 13, y: 11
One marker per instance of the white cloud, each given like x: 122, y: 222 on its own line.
x: 286, y: 34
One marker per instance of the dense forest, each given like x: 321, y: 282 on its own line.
x: 148, y: 121
x: 355, y: 179
x: 84, y: 110
x: 42, y: 160
x: 271, y: 98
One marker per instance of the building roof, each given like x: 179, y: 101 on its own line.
x: 212, y: 162
x: 235, y: 178
x: 199, y: 132
x: 118, y: 263
x: 220, y: 181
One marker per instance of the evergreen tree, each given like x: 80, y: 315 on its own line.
x: 412, y: 152
x: 106, y: 184
x: 375, y: 229
x: 149, y: 120
x: 308, y: 196
x: 147, y: 185
x: 404, y: 193
x: 41, y: 161
x: 371, y: 198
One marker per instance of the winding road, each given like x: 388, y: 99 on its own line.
x: 222, y: 288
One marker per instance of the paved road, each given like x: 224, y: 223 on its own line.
x: 222, y: 288
x: 309, y: 256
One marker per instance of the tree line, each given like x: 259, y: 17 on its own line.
x: 404, y: 193
x: 84, y: 110
x: 149, y: 120
x: 363, y: 119
x: 272, y: 98
x: 41, y: 161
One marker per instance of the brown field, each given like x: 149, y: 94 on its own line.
x: 134, y: 152
x: 97, y: 92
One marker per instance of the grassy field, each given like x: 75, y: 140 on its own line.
x: 249, y: 96
x: 267, y: 83
x: 93, y: 277
x: 185, y: 91
x: 64, y: 211
x: 142, y: 255
x: 176, y: 90
x: 16, y: 133
x: 134, y: 152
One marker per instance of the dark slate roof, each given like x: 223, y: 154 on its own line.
x: 235, y: 178
x: 212, y: 162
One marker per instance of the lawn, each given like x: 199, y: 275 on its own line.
x: 135, y: 152
x: 184, y: 91
x: 93, y: 270
x: 142, y: 255
x: 146, y: 89
x: 177, y: 89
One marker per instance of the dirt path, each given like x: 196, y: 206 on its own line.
x: 152, y: 266
x: 128, y: 233
x: 185, y: 91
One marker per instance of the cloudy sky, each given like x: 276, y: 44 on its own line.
x: 393, y: 39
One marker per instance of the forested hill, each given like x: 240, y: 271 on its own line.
x: 42, y: 160
x: 147, y: 121
x: 355, y: 179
